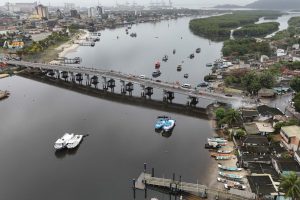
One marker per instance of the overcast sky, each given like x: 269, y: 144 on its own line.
x: 183, y: 3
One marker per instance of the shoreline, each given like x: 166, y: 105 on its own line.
x: 69, y: 46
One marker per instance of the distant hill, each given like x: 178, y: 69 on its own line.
x: 228, y: 6
x: 275, y: 4
x: 268, y: 5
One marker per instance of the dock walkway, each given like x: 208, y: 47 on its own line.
x: 192, y: 188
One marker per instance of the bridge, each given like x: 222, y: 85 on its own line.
x: 147, y: 180
x: 168, y: 88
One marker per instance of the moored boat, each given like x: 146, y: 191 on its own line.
x: 224, y: 151
x: 179, y: 68
x: 186, y: 75
x: 218, y: 140
x: 198, y: 50
x: 209, y: 65
x: 229, y: 168
x: 156, y: 73
x: 192, y: 56
x: 157, y: 65
x: 62, y: 142
x: 230, y: 176
x: 74, y: 141
x: 223, y: 157
x: 161, y: 120
x: 169, y: 125
x: 165, y: 58
x: 174, y: 51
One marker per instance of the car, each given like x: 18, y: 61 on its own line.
x: 158, y: 81
x: 142, y: 76
x: 204, y: 84
x: 228, y: 95
x: 186, y: 85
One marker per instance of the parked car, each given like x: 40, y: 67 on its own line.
x: 186, y: 85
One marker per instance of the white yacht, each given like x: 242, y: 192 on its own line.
x: 74, y: 141
x: 62, y: 142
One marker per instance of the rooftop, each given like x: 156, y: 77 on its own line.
x: 256, y: 139
x: 266, y: 110
x: 249, y: 113
x: 251, y: 128
x: 261, y: 184
x: 288, y: 165
x: 262, y: 168
x: 291, y: 131
x: 265, y: 127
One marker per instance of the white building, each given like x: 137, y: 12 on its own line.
x: 92, y: 12
x: 42, y: 11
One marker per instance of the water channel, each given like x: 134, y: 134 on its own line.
x: 121, y: 137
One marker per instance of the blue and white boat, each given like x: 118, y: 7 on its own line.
x: 169, y: 124
x: 229, y: 168
x: 160, y: 122
x: 230, y: 176
x: 217, y: 139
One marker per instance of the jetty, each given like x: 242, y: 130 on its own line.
x: 173, y: 186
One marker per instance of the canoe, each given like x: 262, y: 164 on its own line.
x: 230, y: 176
x: 229, y: 168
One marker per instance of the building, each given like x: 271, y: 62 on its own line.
x: 42, y: 11
x: 263, y: 185
x: 290, y: 137
x: 69, y: 6
x: 92, y: 12
x: 74, y: 13
x: 21, y: 7
x: 285, y: 166
x: 266, y: 93
x: 99, y: 11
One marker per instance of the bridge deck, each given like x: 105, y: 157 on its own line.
x: 131, y: 78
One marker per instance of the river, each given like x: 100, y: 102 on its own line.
x: 121, y: 137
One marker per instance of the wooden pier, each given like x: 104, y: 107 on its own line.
x: 145, y: 180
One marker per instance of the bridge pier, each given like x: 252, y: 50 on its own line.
x: 57, y: 74
x: 129, y: 88
x: 72, y: 77
x: 168, y: 96
x: 51, y: 72
x: 65, y: 75
x: 111, y: 83
x: 105, y: 88
x: 146, y: 91
x: 193, y: 101
x: 87, y: 81
x: 79, y: 78
x: 123, y: 88
x: 94, y: 81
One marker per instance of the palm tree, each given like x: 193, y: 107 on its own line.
x: 290, y: 185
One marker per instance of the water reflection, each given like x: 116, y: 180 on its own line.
x: 62, y: 153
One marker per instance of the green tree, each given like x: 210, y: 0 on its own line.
x: 231, y: 116
x: 295, y: 84
x: 266, y: 80
x: 296, y: 101
x: 220, y: 114
x: 290, y: 185
x: 251, y: 83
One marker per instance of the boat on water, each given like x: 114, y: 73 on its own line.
x: 92, y: 44
x: 224, y: 151
x: 223, y: 157
x: 157, y: 65
x: 209, y: 64
x: 74, y: 141
x: 169, y: 125
x: 230, y: 176
x: 165, y: 58
x: 179, y: 68
x: 198, y: 50
x: 63, y: 141
x: 174, y: 51
x: 156, y: 73
x: 218, y: 140
x: 229, y: 168
x: 161, y: 120
x: 133, y: 35
x: 4, y: 94
x: 186, y: 75
x: 192, y: 56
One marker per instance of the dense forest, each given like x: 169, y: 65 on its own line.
x: 241, y: 47
x: 219, y: 27
x: 257, y: 30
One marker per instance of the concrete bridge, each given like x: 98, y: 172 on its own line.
x: 109, y: 76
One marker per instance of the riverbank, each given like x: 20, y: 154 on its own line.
x: 69, y: 46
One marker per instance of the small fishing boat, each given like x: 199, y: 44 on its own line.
x: 179, y: 68
x: 133, y: 35
x: 217, y: 139
x: 62, y: 142
x: 156, y: 73
x: 186, y: 75
x: 165, y: 58
x: 223, y: 157
x: 174, y: 51
x: 157, y: 65
x: 192, y: 56
x: 198, y: 50
x: 209, y: 146
x: 230, y: 176
x: 224, y: 151
x: 161, y: 120
x: 169, y: 125
x: 4, y: 94
x: 229, y: 168
x: 209, y: 64
x: 74, y: 141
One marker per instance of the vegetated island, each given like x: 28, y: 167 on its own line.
x: 219, y: 27
x: 257, y: 30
